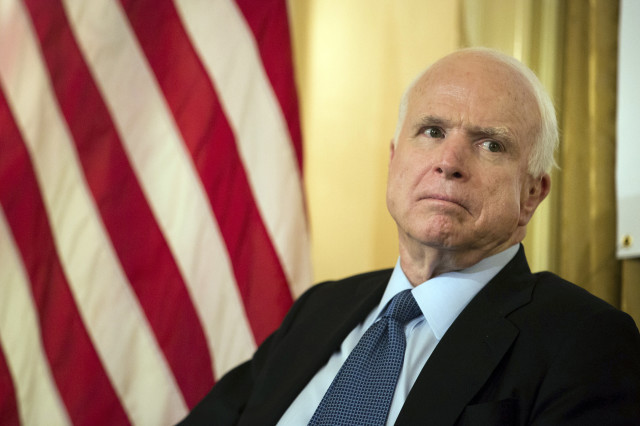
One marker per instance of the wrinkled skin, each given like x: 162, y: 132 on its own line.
x: 459, y: 188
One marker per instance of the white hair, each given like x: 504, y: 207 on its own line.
x: 541, y: 159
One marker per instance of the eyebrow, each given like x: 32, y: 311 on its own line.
x: 501, y: 133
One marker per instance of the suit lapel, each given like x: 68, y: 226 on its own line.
x: 319, y: 330
x: 470, y: 350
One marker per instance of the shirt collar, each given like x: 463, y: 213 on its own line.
x: 442, y: 298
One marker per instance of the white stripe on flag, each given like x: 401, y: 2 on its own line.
x: 109, y: 309
x: 166, y: 173
x: 226, y: 46
x: 36, y: 395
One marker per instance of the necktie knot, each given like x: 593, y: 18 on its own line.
x: 403, y: 307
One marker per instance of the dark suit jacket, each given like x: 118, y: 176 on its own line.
x: 528, y: 349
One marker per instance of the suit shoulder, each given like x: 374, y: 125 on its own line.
x: 339, y: 294
x: 552, y: 289
x: 348, y: 286
x: 355, y: 280
x: 560, y: 309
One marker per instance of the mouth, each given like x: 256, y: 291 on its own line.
x: 445, y: 200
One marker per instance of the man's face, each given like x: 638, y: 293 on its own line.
x: 458, y: 175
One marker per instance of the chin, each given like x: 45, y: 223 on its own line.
x: 442, y: 229
x: 439, y: 240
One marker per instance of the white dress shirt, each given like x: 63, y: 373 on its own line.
x: 441, y: 300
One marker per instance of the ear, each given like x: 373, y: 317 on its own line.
x: 533, y: 193
x: 392, y: 149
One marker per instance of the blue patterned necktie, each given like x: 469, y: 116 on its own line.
x: 362, y: 391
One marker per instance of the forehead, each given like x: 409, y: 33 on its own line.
x: 476, y: 91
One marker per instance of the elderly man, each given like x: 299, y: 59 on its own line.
x: 460, y: 332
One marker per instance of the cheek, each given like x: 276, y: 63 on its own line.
x: 408, y: 168
x: 502, y: 201
x: 398, y: 175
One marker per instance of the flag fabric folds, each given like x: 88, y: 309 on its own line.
x: 152, y: 220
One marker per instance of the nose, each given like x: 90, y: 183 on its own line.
x: 451, y: 159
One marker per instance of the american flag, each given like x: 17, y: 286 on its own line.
x: 152, y: 221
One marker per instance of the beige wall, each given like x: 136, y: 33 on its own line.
x: 353, y: 60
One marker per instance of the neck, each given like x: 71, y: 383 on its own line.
x: 421, y: 263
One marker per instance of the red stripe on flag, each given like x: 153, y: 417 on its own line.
x: 269, y: 22
x: 81, y: 380
x: 206, y: 132
x: 135, y: 235
x: 8, y: 405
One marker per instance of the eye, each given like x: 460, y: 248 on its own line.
x: 433, y: 132
x: 492, y: 146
